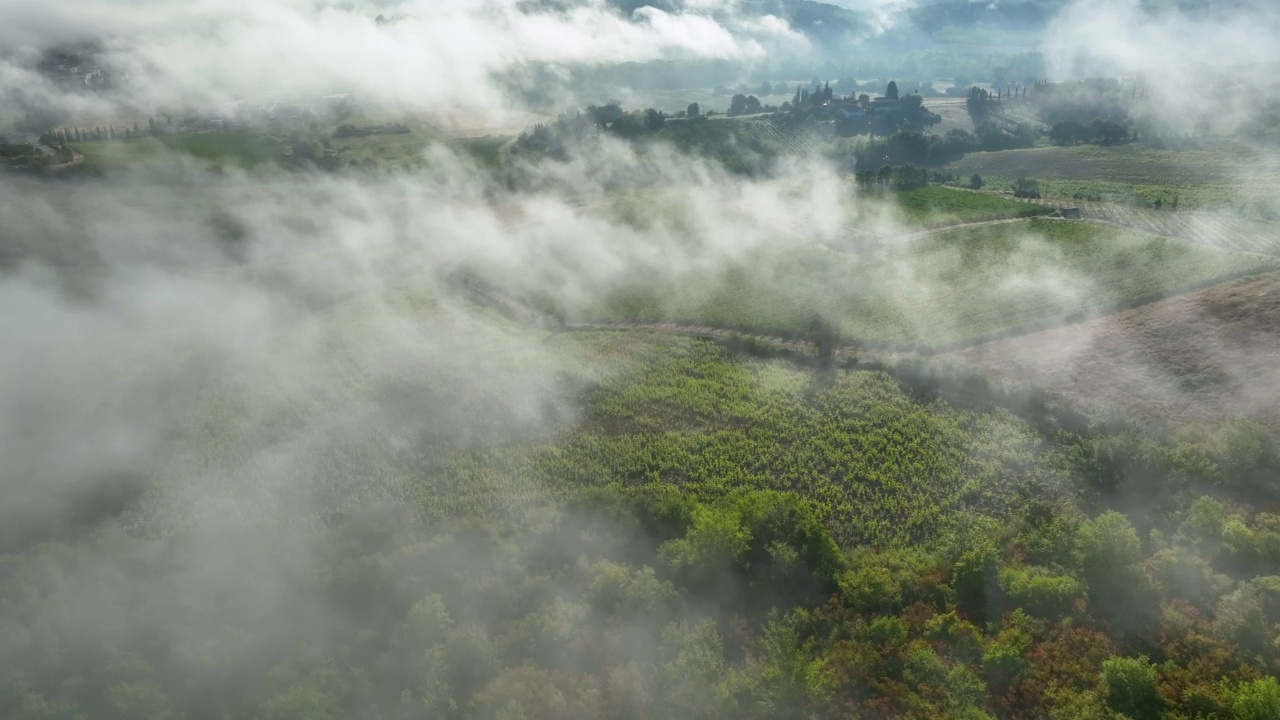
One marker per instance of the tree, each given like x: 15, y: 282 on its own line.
x: 693, y: 110
x: 975, y: 182
x: 977, y: 102
x: 654, y: 120
x: 1104, y: 546
x: 907, y: 177
x: 1026, y: 188
x: 1131, y: 687
x: 738, y: 105
x: 1066, y: 132
x: 891, y: 92
x: 714, y: 545
x: 1108, y: 554
x: 606, y: 114
x: 975, y: 580
x: 826, y: 339
x: 1258, y: 700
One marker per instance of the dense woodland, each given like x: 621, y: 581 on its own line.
x: 720, y: 536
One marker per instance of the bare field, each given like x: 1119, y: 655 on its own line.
x: 954, y: 115
x: 1192, y: 361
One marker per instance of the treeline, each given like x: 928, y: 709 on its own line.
x: 908, y: 147
x: 893, y: 177
x: 22, y: 157
x: 346, y: 131
x: 1101, y: 132
x: 67, y: 136
x: 748, y: 147
x: 155, y: 128
x: 1095, y: 111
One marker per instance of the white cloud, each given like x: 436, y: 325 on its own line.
x: 434, y: 54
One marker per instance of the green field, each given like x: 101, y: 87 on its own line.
x: 219, y: 149
x: 396, y: 150
x: 1233, y: 179
x: 257, y: 150
x: 486, y: 151
x: 944, y: 288
x: 937, y: 204
x: 697, y: 419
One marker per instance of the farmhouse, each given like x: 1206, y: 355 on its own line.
x: 847, y: 110
x: 884, y: 106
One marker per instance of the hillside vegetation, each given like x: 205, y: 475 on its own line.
x: 945, y: 288
x: 1229, y: 179
x: 714, y: 536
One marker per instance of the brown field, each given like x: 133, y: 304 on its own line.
x: 1191, y: 361
x: 955, y: 115
x: 953, y: 112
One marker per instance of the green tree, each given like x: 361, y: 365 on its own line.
x: 975, y: 580
x: 693, y: 110
x: 786, y: 679
x: 1041, y: 593
x: 713, y: 546
x: 1130, y: 687
x: 891, y: 91
x: 1108, y: 554
x: 141, y: 701
x: 1258, y: 700
x: 1002, y: 665
x: 654, y: 120
x: 606, y: 114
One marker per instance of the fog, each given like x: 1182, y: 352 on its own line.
x: 1216, y: 67
x: 222, y: 390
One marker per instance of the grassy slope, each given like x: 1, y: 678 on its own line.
x: 938, y: 204
x: 944, y: 288
x: 234, y: 149
x: 256, y: 149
